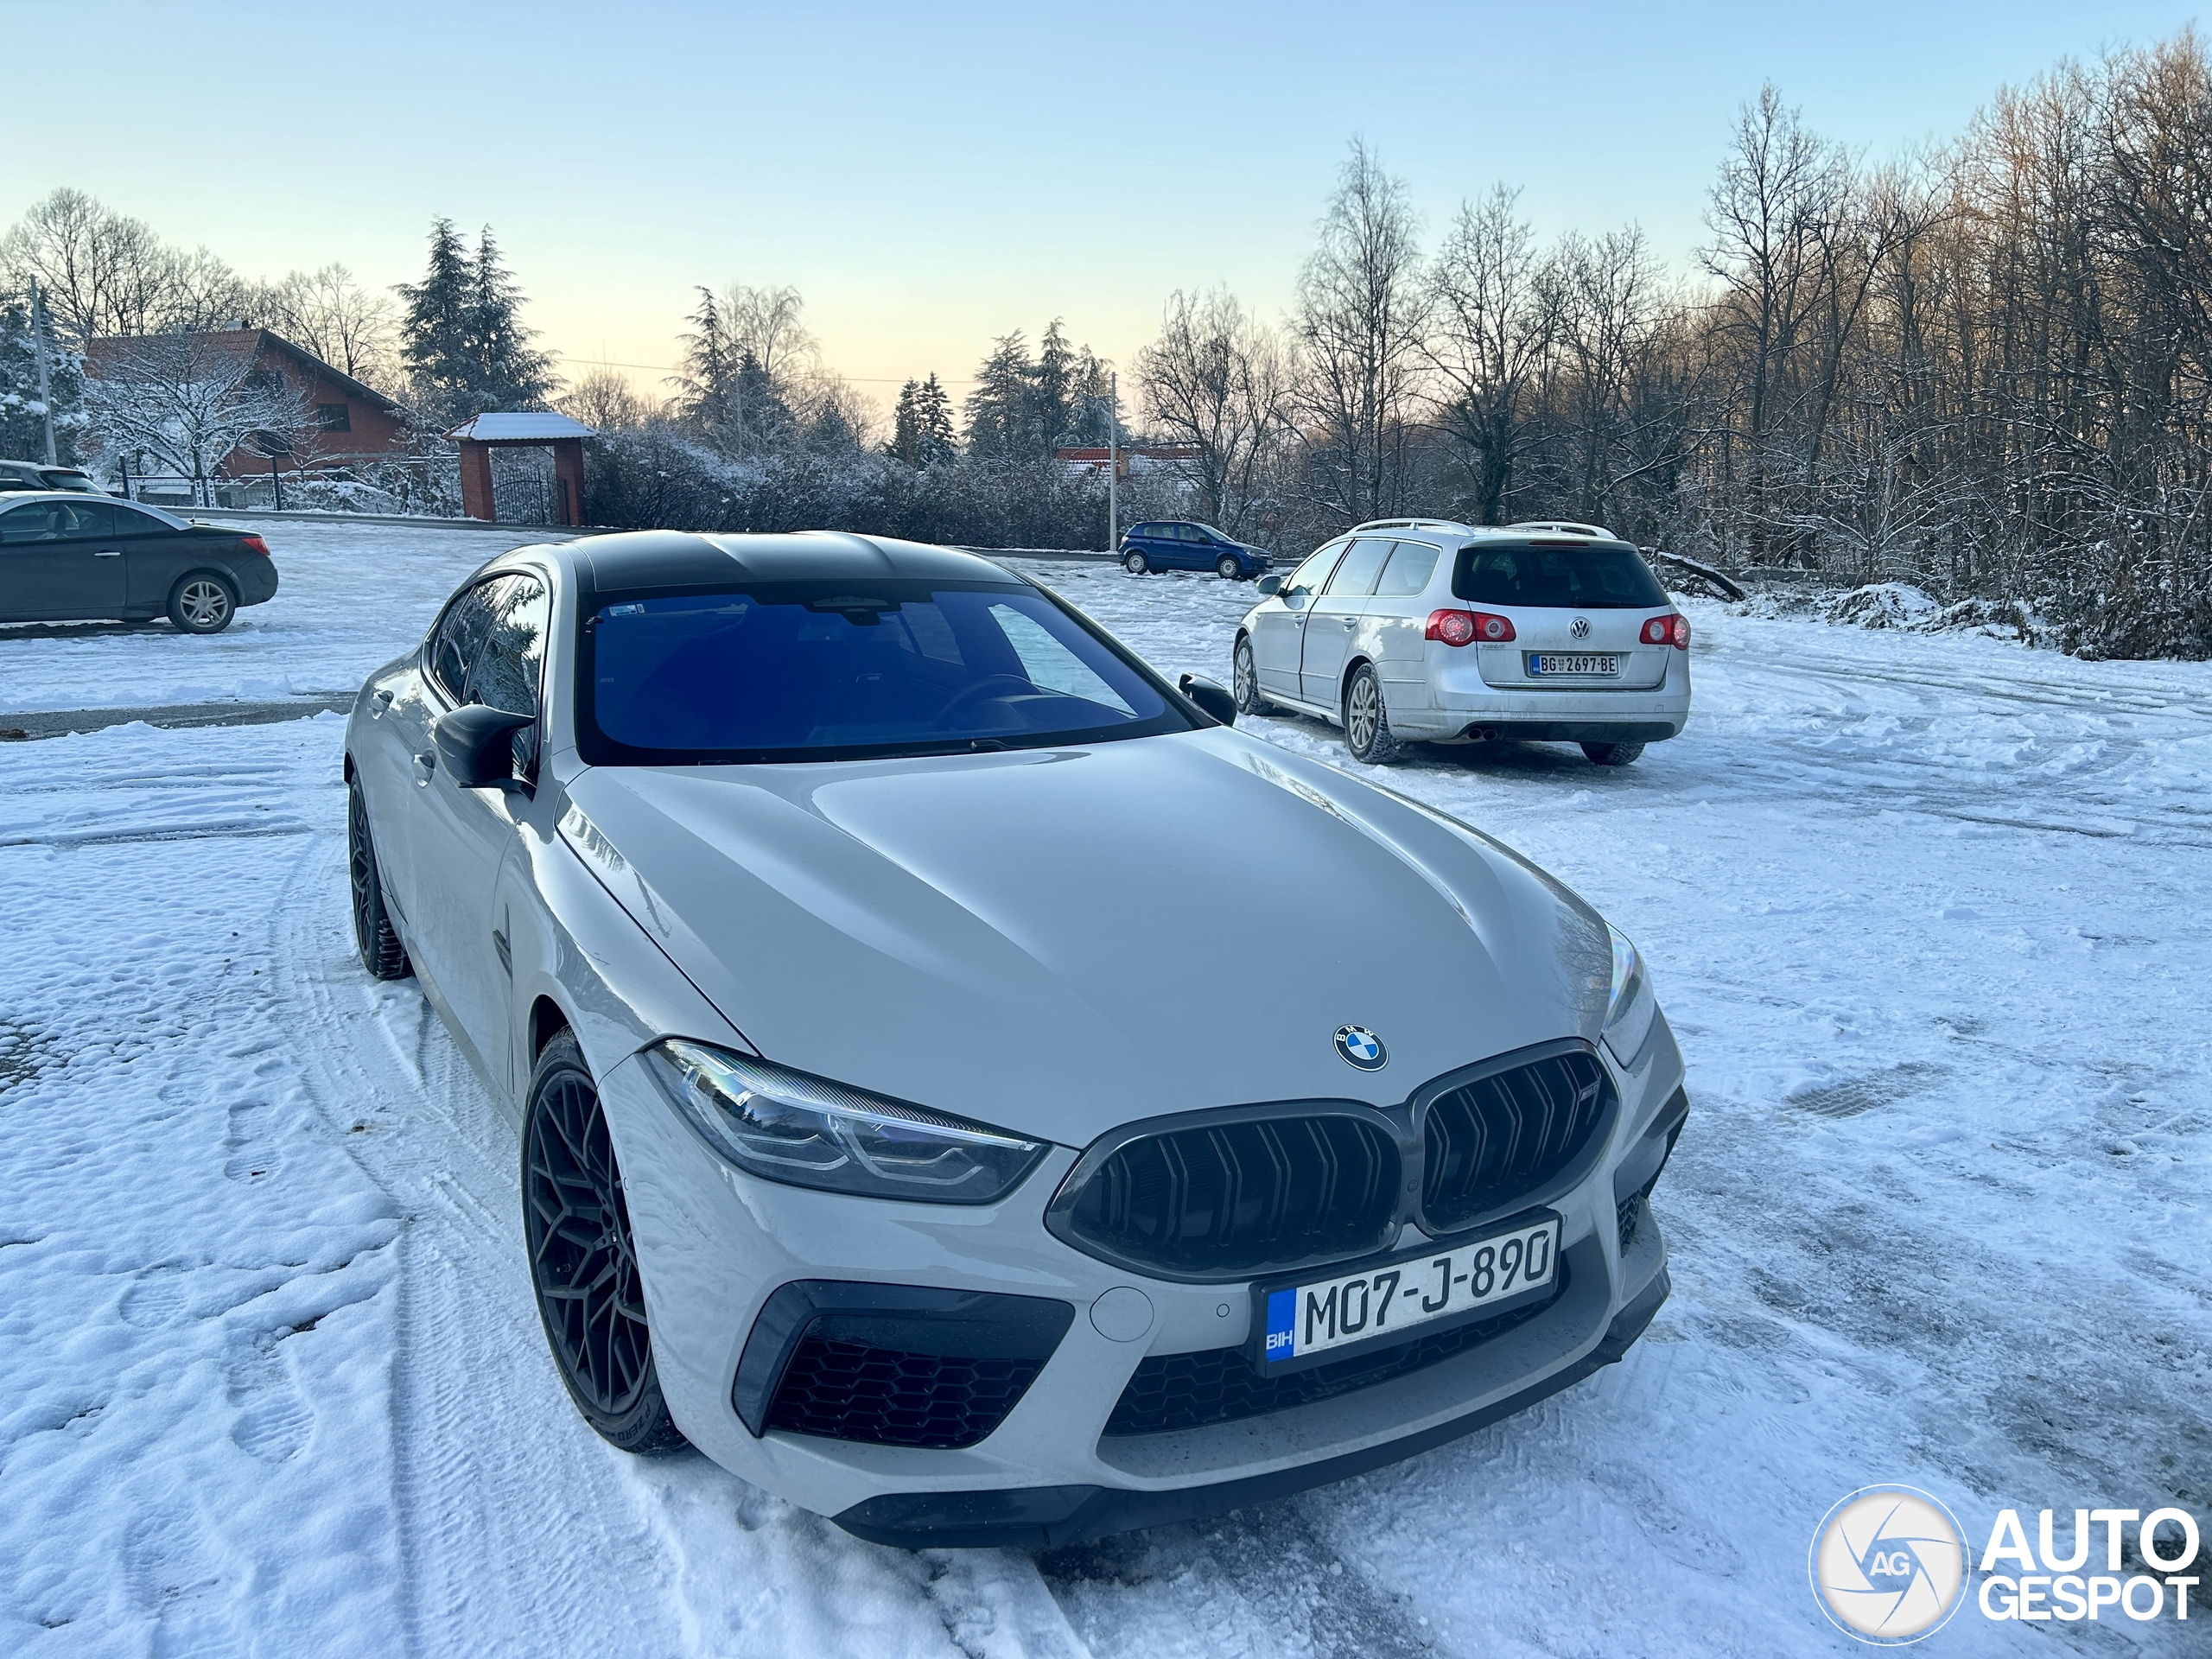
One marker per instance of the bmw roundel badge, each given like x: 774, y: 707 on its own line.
x: 1361, y: 1047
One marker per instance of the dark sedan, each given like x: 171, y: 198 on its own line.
x: 65, y: 558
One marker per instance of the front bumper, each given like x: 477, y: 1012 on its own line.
x: 715, y: 1246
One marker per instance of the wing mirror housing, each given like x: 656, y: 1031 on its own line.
x: 1212, y: 698
x: 476, y: 746
x: 1268, y: 587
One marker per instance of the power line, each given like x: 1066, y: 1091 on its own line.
x: 857, y: 379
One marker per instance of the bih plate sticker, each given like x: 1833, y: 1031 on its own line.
x: 1403, y: 1297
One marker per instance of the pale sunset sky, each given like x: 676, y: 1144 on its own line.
x: 932, y: 176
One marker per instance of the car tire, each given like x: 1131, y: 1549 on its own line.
x: 1367, y: 720
x: 1136, y: 563
x: 378, y: 941
x: 583, y: 1270
x: 202, y: 602
x: 1244, y: 679
x: 1227, y: 569
x: 1612, y: 755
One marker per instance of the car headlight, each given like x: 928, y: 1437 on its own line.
x: 1632, y: 1009
x: 783, y: 1127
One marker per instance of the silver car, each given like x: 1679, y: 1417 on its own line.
x: 1421, y: 629
x: 917, y: 1115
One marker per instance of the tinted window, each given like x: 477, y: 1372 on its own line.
x: 1597, y: 578
x: 1411, y: 565
x: 1312, y: 574
x: 1361, y: 566
x: 130, y: 521
x: 505, y: 673
x: 806, y: 672
x: 53, y: 521
x: 61, y: 478
x: 459, y: 636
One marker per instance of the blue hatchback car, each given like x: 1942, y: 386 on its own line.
x: 1178, y: 544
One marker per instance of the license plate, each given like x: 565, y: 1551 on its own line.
x: 1543, y: 664
x: 1390, y: 1303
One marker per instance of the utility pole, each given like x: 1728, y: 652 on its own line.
x: 39, y: 345
x: 1113, y: 461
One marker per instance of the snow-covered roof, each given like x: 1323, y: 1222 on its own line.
x: 522, y: 427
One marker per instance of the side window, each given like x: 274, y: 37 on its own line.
x: 1361, y: 566
x: 1411, y: 566
x: 505, y: 673
x: 88, y: 518
x: 129, y: 521
x: 1051, y: 665
x: 460, y: 634
x: 34, y: 521
x: 1310, y: 575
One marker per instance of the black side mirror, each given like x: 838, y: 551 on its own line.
x: 477, y: 746
x: 1212, y: 698
x: 1268, y: 587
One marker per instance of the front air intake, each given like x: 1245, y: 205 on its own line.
x: 1235, y: 1195
x: 1508, y: 1139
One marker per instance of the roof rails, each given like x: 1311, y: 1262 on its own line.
x: 1409, y: 524
x: 1561, y: 527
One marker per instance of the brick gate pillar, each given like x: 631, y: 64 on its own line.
x: 476, y: 481
x: 569, y: 481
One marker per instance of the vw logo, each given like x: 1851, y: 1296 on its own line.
x: 1361, y: 1047
x: 1580, y: 629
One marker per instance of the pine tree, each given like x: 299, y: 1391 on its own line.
x: 511, y: 375
x: 1001, y: 409
x: 435, y: 332
x: 464, y: 344
x: 764, y: 419
x: 706, y: 380
x: 904, y: 443
x: 935, y: 443
x: 1052, y: 388
x: 22, y: 427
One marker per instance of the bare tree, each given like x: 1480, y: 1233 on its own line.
x: 606, y: 401
x: 191, y: 403
x: 352, y: 329
x: 1496, y: 312
x: 1361, y: 317
x: 102, y: 272
x: 764, y: 321
x: 1217, y: 379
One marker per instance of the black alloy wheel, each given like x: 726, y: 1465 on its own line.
x: 1612, y: 755
x: 1227, y: 569
x: 1244, y: 679
x: 576, y: 1225
x: 378, y: 941
x: 202, y: 603
x: 1367, y: 722
x: 1136, y: 563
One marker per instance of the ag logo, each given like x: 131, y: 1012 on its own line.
x: 1890, y: 1564
x: 1361, y: 1047
x: 1580, y: 627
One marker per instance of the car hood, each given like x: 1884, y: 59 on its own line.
x: 1060, y: 941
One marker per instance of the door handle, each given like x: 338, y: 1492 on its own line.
x: 1351, y: 621
x: 111, y: 553
x: 426, y: 762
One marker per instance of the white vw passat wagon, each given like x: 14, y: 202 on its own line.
x: 1421, y: 629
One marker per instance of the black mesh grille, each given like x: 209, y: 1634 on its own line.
x: 1173, y: 1391
x: 1240, y: 1198
x: 847, y: 1392
x: 1492, y: 1144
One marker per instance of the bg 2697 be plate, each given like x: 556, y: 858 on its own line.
x: 1403, y: 1299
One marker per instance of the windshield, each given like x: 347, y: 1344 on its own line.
x: 815, y: 671
x: 1574, y: 576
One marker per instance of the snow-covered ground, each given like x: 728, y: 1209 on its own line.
x: 1926, y: 914
x: 348, y: 597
